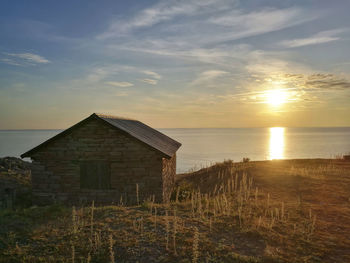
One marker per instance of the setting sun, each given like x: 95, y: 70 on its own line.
x: 276, y: 97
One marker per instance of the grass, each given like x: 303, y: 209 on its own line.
x: 271, y: 211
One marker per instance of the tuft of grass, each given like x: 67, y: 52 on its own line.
x: 110, y: 248
x: 195, y: 252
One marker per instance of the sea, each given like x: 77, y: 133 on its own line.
x: 202, y: 147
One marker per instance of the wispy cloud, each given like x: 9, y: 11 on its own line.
x: 221, y: 20
x: 319, y: 38
x: 223, y: 56
x: 327, y: 82
x: 122, y: 84
x: 267, y: 64
x: 150, y: 81
x: 152, y: 74
x: 314, y: 82
x: 205, y: 35
x: 28, y: 58
x: 121, y: 94
x: 207, y: 76
x: 10, y: 62
x: 160, y: 12
x: 238, y: 24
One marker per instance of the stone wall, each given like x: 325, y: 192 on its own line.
x: 56, y: 172
x: 169, y: 173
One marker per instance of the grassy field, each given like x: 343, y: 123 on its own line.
x: 268, y: 211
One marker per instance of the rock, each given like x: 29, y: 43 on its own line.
x: 3, y: 169
x: 15, y: 182
x: 14, y: 164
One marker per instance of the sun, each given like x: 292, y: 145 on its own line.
x: 276, y: 97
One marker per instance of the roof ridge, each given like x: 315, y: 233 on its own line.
x: 108, y: 116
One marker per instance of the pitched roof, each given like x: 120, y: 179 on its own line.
x: 134, y: 128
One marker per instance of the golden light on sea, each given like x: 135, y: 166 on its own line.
x: 276, y: 146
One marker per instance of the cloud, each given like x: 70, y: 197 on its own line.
x: 319, y: 38
x: 121, y: 94
x: 327, y: 82
x: 237, y: 24
x: 208, y: 76
x: 28, y: 58
x: 222, y: 20
x: 222, y: 55
x: 122, y: 84
x: 271, y: 63
x: 152, y: 74
x: 10, y: 62
x: 315, y: 81
x: 163, y: 11
x: 205, y: 35
x: 150, y: 81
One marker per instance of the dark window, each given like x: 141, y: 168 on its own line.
x: 95, y: 175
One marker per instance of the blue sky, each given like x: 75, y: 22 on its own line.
x: 209, y: 63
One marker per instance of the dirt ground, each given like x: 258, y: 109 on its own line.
x: 326, y: 191
x: 321, y: 186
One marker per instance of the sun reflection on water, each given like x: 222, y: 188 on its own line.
x: 276, y: 143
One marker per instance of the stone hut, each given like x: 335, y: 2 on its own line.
x: 106, y: 159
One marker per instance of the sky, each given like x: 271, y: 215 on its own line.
x: 175, y: 64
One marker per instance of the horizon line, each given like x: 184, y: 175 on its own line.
x: 259, y: 127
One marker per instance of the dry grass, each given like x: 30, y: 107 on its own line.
x: 231, y: 212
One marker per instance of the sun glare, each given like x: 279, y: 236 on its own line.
x: 276, y: 97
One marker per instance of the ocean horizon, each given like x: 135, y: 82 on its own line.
x: 202, y: 147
